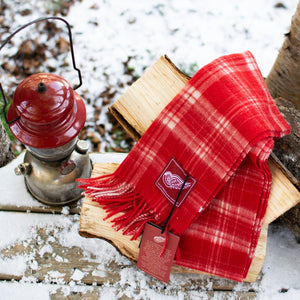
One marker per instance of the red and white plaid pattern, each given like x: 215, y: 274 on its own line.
x: 220, y: 128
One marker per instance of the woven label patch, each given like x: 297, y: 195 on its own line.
x: 170, y: 182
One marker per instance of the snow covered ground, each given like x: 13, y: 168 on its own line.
x: 280, y: 273
x: 109, y: 35
x: 116, y: 40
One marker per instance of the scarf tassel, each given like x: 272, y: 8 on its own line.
x: 125, y: 207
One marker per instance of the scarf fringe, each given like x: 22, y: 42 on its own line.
x: 123, y: 204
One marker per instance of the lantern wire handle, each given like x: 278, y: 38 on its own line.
x: 71, y: 49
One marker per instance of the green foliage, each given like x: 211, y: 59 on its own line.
x: 54, y: 6
x: 190, y: 69
x: 10, y: 135
x: 120, y: 141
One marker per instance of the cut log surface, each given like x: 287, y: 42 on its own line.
x: 144, y: 100
x: 136, y: 110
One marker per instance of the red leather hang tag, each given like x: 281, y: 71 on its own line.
x: 154, y: 244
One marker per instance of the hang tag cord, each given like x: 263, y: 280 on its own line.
x: 173, y: 207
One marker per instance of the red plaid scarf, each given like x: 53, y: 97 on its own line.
x: 219, y: 130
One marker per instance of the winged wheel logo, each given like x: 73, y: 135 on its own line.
x: 174, y: 181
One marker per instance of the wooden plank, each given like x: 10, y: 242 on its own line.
x: 97, y: 292
x: 45, y: 256
x: 111, y: 291
x: 53, y: 254
x: 70, y: 209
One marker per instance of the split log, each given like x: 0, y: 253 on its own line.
x: 145, y: 99
x: 284, y: 80
x: 136, y: 110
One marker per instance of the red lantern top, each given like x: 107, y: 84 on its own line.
x: 50, y: 113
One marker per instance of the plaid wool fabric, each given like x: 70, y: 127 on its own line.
x: 219, y: 130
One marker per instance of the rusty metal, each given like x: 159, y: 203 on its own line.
x: 52, y: 181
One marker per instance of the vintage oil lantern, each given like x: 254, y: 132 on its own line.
x: 46, y: 115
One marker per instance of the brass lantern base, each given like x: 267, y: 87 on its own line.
x: 54, y: 182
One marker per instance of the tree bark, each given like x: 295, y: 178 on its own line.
x: 6, y: 155
x: 287, y: 150
x: 284, y: 81
x: 284, y: 78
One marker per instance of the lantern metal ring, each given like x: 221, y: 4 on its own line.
x: 71, y: 49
